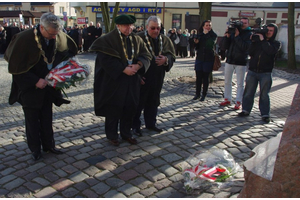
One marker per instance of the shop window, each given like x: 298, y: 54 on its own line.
x: 176, y: 21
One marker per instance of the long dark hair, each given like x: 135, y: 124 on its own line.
x: 203, y: 23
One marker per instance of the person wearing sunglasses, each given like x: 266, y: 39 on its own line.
x: 31, y: 55
x: 163, y: 57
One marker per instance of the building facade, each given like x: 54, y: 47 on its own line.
x: 30, y: 12
x: 185, y: 15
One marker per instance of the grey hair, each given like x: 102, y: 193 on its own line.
x: 49, y: 20
x: 154, y: 19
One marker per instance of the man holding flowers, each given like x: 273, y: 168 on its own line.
x: 30, y: 56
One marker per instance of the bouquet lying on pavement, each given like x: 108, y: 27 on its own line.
x: 68, y: 73
x: 211, y: 169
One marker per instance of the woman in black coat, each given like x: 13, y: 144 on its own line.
x: 204, y: 44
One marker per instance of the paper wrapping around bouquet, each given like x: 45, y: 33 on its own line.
x: 263, y: 162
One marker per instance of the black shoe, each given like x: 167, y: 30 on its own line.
x: 131, y: 140
x: 266, y: 119
x: 53, y: 150
x: 137, y: 132
x: 202, y: 98
x: 36, y: 155
x: 155, y: 129
x: 196, y: 97
x: 243, y: 114
x: 115, y: 142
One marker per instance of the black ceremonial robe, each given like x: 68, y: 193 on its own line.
x: 27, y: 66
x: 154, y: 78
x: 113, y: 88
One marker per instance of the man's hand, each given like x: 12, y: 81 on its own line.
x: 130, y: 70
x: 237, y: 32
x: 160, y: 60
x: 42, y: 83
x: 143, y: 80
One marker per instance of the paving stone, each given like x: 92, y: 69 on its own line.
x: 7, y: 178
x: 20, y: 192
x: 70, y: 192
x: 14, y: 184
x: 127, y: 175
x: 101, y: 188
x: 171, y: 157
x: 128, y: 189
x: 47, y: 192
x: 62, y: 184
x: 78, y: 177
x: 168, y: 170
x: 41, y: 181
x: 35, y: 167
x: 107, y: 164
x: 149, y: 191
x: 114, y: 194
x: 143, y: 168
x: 141, y: 182
x: 114, y: 182
x: 154, y: 175
x: 103, y: 175
x: 90, y: 194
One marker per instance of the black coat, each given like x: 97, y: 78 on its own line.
x: 237, y: 48
x: 263, y: 55
x: 113, y: 89
x: 205, y: 46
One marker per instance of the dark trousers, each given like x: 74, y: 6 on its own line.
x: 202, y: 78
x: 38, y: 127
x: 150, y: 113
x: 149, y: 101
x: 125, y: 121
x: 183, y: 52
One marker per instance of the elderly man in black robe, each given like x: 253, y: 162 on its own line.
x: 48, y: 47
x: 163, y: 57
x: 122, y: 58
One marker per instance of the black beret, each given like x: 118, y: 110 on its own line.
x: 125, y: 19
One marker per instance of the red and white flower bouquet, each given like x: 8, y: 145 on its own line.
x: 68, y: 73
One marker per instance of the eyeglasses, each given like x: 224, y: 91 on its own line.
x: 153, y: 28
x: 52, y: 35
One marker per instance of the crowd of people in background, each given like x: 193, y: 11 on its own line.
x: 7, y: 31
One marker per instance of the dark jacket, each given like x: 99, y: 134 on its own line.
x: 263, y: 53
x: 205, y: 46
x: 237, y: 47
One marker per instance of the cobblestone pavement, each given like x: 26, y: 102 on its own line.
x: 91, y: 167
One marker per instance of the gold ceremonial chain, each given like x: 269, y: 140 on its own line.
x: 124, y: 49
x: 42, y: 51
x: 150, y: 47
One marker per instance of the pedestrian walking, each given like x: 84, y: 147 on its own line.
x: 48, y: 47
x: 122, y: 58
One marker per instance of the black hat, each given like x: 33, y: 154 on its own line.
x: 125, y: 19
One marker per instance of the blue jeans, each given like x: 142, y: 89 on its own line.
x: 265, y: 83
